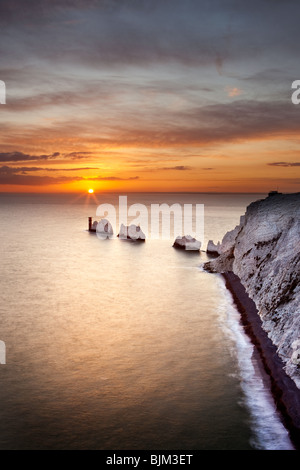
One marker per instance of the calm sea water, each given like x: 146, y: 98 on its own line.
x: 115, y: 345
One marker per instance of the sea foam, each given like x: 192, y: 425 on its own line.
x: 268, y: 431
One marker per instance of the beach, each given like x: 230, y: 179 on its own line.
x: 284, y: 390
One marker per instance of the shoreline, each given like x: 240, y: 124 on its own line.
x: 284, y: 390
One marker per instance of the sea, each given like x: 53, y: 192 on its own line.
x: 120, y: 345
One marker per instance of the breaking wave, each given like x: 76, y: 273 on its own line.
x: 268, y: 432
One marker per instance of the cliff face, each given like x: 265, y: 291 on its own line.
x: 264, y: 252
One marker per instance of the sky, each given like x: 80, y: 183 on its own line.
x: 149, y: 95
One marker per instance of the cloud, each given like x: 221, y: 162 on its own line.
x: 113, y: 76
x: 113, y: 178
x: 16, y: 156
x: 78, y: 155
x: 6, y: 170
x: 68, y: 169
x: 147, y: 166
x: 177, y: 168
x: 233, y: 91
x: 140, y: 32
x: 284, y: 164
x: 22, y: 176
x: 61, y: 93
x: 236, y: 121
x: 7, y: 157
x: 33, y: 180
x: 243, y: 119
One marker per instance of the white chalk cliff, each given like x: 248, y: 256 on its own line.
x: 264, y: 252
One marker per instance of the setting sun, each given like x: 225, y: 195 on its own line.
x: 91, y: 191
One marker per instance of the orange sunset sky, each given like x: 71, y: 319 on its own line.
x: 149, y: 96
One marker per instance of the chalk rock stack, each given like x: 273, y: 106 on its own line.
x: 131, y: 232
x: 187, y: 243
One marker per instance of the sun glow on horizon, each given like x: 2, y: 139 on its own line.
x: 91, y: 191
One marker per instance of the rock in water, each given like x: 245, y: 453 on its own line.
x: 131, y: 232
x: 213, y: 249
x: 264, y: 252
x: 104, y: 229
x: 94, y: 226
x: 187, y: 243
